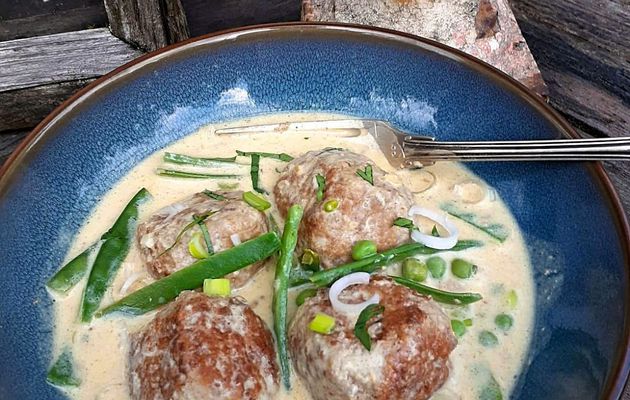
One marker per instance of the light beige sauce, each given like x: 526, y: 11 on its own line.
x: 100, y: 348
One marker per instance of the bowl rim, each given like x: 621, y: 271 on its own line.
x: 621, y: 366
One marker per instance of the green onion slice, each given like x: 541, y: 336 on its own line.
x: 361, y: 327
x: 321, y: 186
x: 322, y: 323
x: 217, y: 287
x: 256, y: 201
x: 404, y: 223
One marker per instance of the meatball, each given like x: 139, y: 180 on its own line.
x: 201, y: 347
x: 411, y: 343
x: 365, y: 211
x: 231, y: 215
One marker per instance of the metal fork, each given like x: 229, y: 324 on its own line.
x: 404, y: 150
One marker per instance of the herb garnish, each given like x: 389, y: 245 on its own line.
x: 197, y: 219
x: 405, y: 223
x: 214, y: 195
x: 62, y: 371
x: 175, y: 158
x: 193, y: 175
x: 276, y: 156
x: 321, y: 186
x: 206, y: 236
x: 360, y: 328
x: 366, y: 174
x: 497, y: 231
x: 435, y: 232
x: 255, y: 171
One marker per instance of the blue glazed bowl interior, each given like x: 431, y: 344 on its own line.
x: 574, y: 238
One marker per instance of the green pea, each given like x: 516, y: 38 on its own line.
x: 414, y: 269
x: 459, y: 328
x: 437, y: 266
x: 488, y: 339
x: 363, y: 249
x: 305, y: 294
x: 462, y: 268
x: 331, y: 205
x: 504, y: 321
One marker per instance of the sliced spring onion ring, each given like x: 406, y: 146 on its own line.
x: 342, y: 283
x: 444, y: 242
x: 235, y: 238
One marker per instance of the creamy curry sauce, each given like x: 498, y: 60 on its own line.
x: 100, y: 348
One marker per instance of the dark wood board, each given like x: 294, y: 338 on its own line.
x: 27, y: 18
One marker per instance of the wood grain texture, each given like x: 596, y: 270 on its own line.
x: 147, y: 24
x: 61, y: 57
x: 204, y: 16
x: 581, y: 47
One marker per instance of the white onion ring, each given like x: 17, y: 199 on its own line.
x: 235, y: 238
x: 341, y: 284
x: 439, y: 243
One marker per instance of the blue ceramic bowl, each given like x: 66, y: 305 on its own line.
x: 570, y: 216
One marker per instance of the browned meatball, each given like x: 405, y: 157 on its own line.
x: 201, y: 347
x: 231, y: 216
x: 365, y: 212
x: 411, y: 343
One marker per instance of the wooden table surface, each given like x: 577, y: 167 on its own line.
x: 581, y: 47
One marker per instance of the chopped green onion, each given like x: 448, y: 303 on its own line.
x: 62, y: 371
x: 462, y: 268
x: 511, y: 299
x: 175, y: 158
x: 255, y: 173
x: 213, y: 195
x: 228, y: 185
x: 363, y: 249
x: 256, y: 201
x: 488, y: 339
x: 497, y: 231
x: 217, y: 287
x: 404, y: 223
x: 504, y: 321
x: 277, y: 156
x: 116, y: 244
x: 196, y: 248
x: 468, y: 322
x: 197, y: 219
x: 71, y: 273
x: 193, y: 175
x: 414, y: 269
x: 331, y: 205
x: 217, y: 265
x: 366, y: 174
x: 281, y: 288
x: 321, y: 186
x: 441, y: 296
x: 305, y: 294
x: 458, y: 327
x: 310, y: 260
x: 437, y: 266
x: 322, y: 323
x: 361, y: 328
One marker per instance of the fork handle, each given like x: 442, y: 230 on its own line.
x: 422, y: 149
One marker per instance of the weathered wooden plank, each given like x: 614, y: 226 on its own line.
x: 35, y: 17
x: 9, y: 141
x: 148, y: 24
x: 25, y: 108
x: 581, y: 47
x: 223, y: 14
x: 485, y: 29
x: 61, y: 57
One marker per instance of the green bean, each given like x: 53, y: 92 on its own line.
x: 299, y: 276
x: 437, y: 266
x: 414, y: 269
x: 441, y: 296
x: 504, y: 321
x: 71, y: 273
x: 458, y: 327
x: 175, y: 158
x: 462, y: 268
x: 488, y: 339
x: 193, y: 175
x: 277, y: 156
x: 305, y: 294
x: 363, y: 249
x: 375, y: 262
x: 62, y: 371
x: 216, y: 266
x: 281, y: 288
x: 113, y: 251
